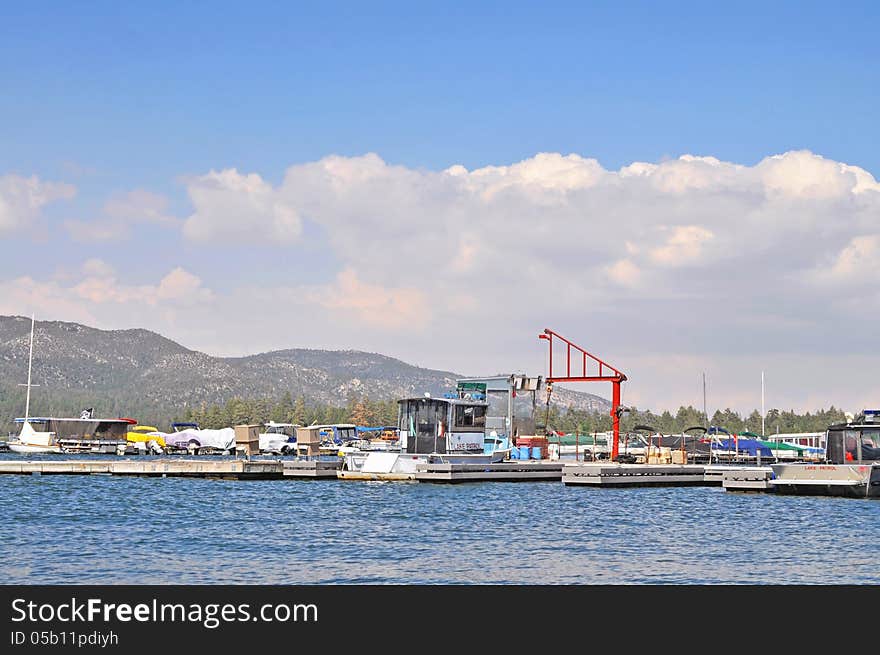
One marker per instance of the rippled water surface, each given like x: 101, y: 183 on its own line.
x: 101, y: 529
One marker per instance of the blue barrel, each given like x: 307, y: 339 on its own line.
x: 536, y: 452
x: 523, y: 452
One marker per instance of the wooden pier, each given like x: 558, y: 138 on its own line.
x: 526, y: 471
x: 634, y: 475
x: 311, y: 468
x: 230, y: 469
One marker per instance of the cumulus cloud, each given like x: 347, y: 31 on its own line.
x: 656, y: 266
x: 98, y: 297
x: 22, y: 198
x: 120, y: 213
x: 392, y: 308
x: 857, y: 264
x: 683, y: 245
x: 230, y: 206
x: 690, y: 255
x: 571, y: 218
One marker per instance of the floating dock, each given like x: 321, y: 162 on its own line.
x: 635, y: 475
x: 229, y: 469
x: 748, y: 478
x: 368, y: 476
x: 311, y: 469
x: 525, y: 471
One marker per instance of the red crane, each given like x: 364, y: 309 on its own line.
x: 603, y: 373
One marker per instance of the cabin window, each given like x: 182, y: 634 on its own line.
x: 870, y: 445
x: 850, y: 445
x: 834, y: 447
x: 347, y: 434
x: 470, y: 416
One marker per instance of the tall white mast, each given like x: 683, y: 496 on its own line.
x: 762, y: 404
x: 27, y: 404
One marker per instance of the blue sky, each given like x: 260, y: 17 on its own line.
x: 142, y: 93
x: 115, y: 98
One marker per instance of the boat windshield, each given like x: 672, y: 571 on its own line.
x: 286, y: 430
x: 853, y: 445
x: 870, y: 445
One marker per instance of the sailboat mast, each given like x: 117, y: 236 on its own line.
x: 27, y: 403
x: 705, y: 415
x: 762, y: 403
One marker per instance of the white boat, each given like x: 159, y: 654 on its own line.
x: 278, y: 438
x: 432, y: 430
x: 851, y: 466
x: 63, y: 435
x: 378, y: 465
x: 29, y: 440
x: 32, y: 442
x: 191, y: 438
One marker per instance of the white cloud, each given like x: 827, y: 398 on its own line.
x: 683, y: 245
x: 97, y: 297
x: 663, y: 269
x: 235, y: 207
x: 120, y: 213
x: 180, y: 284
x: 858, y: 263
x: 22, y: 198
x: 624, y: 272
x: 390, y: 308
x: 693, y: 254
x: 802, y: 174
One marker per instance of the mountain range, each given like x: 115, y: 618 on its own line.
x: 137, y: 372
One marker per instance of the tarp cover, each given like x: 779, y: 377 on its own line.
x: 750, y: 446
x: 222, y: 439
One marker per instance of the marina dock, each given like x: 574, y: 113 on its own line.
x: 634, y: 475
x: 229, y: 469
x: 755, y: 479
x: 528, y: 471
x: 311, y: 468
x: 852, y: 480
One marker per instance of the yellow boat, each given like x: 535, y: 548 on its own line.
x: 145, y: 433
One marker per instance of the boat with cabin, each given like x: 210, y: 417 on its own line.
x: 431, y: 430
x: 850, y: 467
x: 278, y: 438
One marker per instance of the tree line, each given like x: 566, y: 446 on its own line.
x: 367, y: 412
x: 776, y: 420
x: 370, y: 412
x: 239, y: 411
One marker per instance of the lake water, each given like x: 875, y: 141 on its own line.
x: 126, y: 530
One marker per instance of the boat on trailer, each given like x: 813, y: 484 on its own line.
x: 851, y: 466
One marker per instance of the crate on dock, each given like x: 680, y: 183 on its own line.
x: 247, y: 439
x: 308, y: 441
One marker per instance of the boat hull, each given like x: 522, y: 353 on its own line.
x: 851, y: 480
x: 32, y: 449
